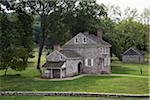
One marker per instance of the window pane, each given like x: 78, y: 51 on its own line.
x: 89, y: 62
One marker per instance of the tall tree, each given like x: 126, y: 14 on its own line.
x: 15, y: 48
x: 24, y: 26
x: 6, y: 49
x: 11, y: 55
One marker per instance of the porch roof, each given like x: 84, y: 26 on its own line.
x: 53, y: 64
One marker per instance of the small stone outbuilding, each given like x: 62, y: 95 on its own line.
x: 133, y: 55
x: 61, y: 64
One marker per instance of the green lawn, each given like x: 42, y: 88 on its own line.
x: 27, y: 81
x: 66, y: 98
x: 108, y: 84
x: 134, y: 69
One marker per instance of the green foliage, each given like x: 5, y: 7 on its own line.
x: 16, y: 40
x: 127, y: 33
x: 88, y: 17
x: 67, y: 21
x: 24, y: 27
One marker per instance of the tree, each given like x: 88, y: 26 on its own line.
x: 24, y: 26
x: 6, y: 48
x: 88, y: 17
x: 11, y: 55
x: 43, y: 8
x: 15, y: 48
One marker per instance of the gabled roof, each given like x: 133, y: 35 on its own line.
x: 70, y: 53
x: 53, y: 64
x: 133, y: 51
x: 98, y: 40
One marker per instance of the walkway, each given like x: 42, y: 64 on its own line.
x: 78, y: 76
x: 130, y: 75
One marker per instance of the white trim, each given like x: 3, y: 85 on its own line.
x: 83, y: 40
x: 64, y: 65
x: 132, y: 49
x: 86, y: 62
x: 76, y: 42
x: 92, y: 62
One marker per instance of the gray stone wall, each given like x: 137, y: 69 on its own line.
x: 72, y: 66
x: 95, y: 54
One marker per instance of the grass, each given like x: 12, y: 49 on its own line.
x: 27, y: 81
x: 66, y: 98
x: 107, y: 84
x: 134, y: 69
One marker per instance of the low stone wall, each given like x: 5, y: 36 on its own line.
x: 84, y: 94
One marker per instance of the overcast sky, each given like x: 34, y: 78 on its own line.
x: 138, y: 4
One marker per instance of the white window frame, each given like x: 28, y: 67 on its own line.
x: 76, y: 42
x: 91, y: 60
x: 86, y: 62
x: 84, y: 42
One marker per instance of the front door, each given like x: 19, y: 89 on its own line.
x: 56, y: 73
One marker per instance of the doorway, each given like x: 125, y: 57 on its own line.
x: 79, y: 67
x: 56, y: 73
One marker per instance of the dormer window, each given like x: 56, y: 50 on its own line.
x: 76, y: 41
x: 84, y: 40
x: 60, y: 57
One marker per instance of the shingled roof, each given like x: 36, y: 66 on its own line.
x: 98, y: 42
x: 70, y: 53
x: 53, y: 64
x: 133, y: 51
x: 96, y: 39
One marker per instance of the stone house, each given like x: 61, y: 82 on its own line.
x: 133, y: 55
x: 84, y: 53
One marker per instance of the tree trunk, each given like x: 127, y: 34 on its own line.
x: 43, y: 38
x: 40, y: 54
x: 6, y: 71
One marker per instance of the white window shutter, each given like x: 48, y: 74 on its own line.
x: 86, y: 62
x: 92, y: 62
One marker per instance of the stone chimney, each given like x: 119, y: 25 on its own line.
x: 99, y: 34
x: 57, y: 47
